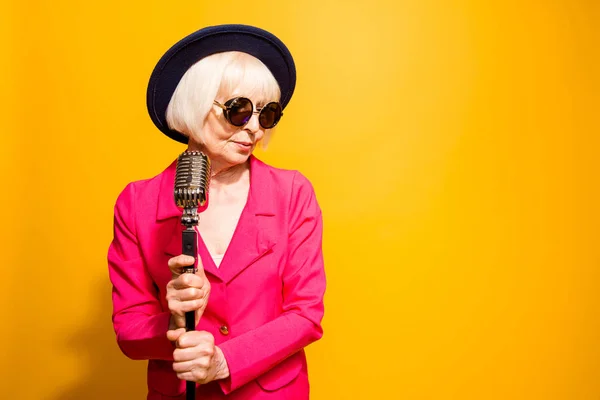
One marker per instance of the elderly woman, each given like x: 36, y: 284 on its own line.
x: 258, y: 292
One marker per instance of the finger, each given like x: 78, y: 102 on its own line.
x: 196, y: 375
x: 192, y: 305
x: 190, y: 293
x: 178, y: 320
x: 199, y: 352
x: 193, y: 364
x: 185, y: 281
x: 176, y: 264
x: 196, y: 338
x: 180, y: 308
x: 175, y: 334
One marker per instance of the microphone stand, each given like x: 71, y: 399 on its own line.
x: 192, y: 179
x: 189, y: 247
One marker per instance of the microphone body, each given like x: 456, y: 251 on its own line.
x: 192, y: 180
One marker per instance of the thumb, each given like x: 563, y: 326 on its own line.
x: 176, y: 264
x: 174, y: 334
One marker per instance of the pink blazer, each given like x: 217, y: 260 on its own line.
x: 266, y: 301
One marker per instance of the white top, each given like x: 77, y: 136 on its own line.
x: 217, y: 259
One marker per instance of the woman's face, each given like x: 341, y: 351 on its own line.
x: 224, y: 143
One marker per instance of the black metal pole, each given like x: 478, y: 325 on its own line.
x: 188, y: 241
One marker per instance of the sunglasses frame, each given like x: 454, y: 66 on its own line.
x: 227, y: 108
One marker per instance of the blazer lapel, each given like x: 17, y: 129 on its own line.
x: 256, y: 232
x: 252, y: 239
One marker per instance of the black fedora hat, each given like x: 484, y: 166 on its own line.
x: 210, y: 40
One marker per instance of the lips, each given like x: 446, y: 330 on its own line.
x: 247, y: 144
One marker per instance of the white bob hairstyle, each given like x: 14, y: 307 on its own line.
x: 219, y: 76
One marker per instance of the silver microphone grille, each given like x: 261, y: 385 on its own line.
x: 192, y: 180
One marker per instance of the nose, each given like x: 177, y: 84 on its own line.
x: 252, y: 126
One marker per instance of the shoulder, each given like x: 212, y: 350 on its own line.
x: 289, y: 188
x: 143, y: 191
x: 280, y: 176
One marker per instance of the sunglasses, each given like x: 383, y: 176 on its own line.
x: 239, y: 110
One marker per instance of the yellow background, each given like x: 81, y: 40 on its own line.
x: 453, y: 146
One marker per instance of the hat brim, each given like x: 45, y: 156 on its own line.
x: 216, y: 39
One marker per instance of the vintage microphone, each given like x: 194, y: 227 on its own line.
x: 192, y: 180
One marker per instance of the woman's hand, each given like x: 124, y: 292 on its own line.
x: 186, y: 292
x: 196, y: 357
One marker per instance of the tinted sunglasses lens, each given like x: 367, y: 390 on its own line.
x: 240, y: 111
x: 269, y: 115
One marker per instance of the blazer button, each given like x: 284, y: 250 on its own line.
x: 224, y: 330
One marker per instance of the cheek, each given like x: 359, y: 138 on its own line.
x: 259, y: 134
x: 215, y: 131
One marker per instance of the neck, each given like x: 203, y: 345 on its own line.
x: 223, y: 174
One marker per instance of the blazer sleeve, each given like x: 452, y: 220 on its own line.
x: 257, y: 351
x: 140, y: 323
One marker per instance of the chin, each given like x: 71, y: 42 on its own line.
x: 237, y: 158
